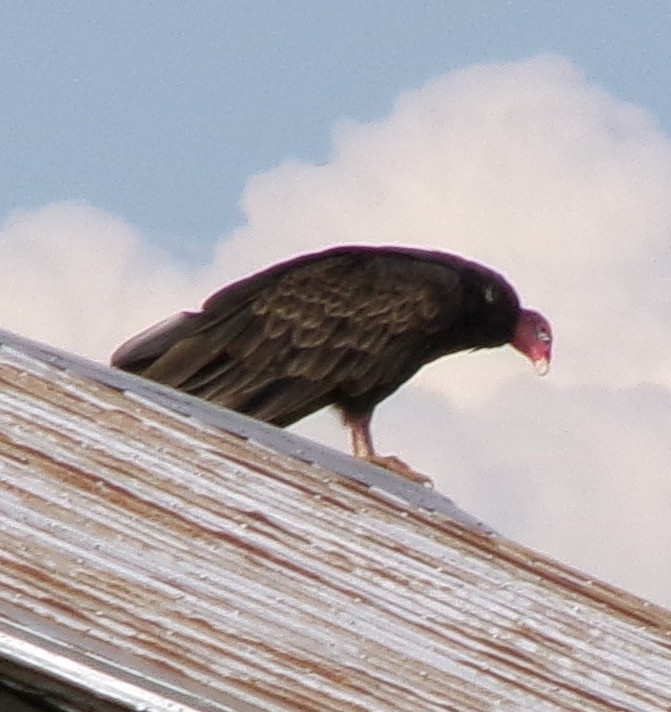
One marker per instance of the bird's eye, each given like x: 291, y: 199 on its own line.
x: 489, y: 294
x: 543, y: 336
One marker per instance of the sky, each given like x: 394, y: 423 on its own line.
x: 154, y: 151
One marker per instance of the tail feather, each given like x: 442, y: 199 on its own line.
x: 144, y: 348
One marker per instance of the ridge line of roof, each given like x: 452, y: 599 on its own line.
x: 266, y: 435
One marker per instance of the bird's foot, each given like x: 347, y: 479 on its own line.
x: 395, y: 464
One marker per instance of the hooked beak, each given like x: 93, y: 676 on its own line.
x: 542, y: 366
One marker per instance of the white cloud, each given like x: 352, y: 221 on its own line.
x: 81, y: 279
x: 525, y: 166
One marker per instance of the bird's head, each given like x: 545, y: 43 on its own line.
x: 533, y: 338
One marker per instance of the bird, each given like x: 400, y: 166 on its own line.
x: 346, y: 326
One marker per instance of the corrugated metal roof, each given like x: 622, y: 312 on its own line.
x: 159, y: 553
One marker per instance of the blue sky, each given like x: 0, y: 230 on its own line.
x: 153, y: 151
x: 161, y: 111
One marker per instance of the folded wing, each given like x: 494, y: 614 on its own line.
x: 345, y: 328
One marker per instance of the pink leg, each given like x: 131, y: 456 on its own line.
x: 362, y: 444
x: 362, y: 447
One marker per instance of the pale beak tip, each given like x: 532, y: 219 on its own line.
x: 542, y: 366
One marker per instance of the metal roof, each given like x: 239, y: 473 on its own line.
x: 159, y: 553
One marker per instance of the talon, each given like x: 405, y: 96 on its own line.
x: 395, y: 464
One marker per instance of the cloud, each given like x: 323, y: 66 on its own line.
x: 525, y: 166
x: 82, y: 279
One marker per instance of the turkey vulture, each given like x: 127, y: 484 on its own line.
x: 346, y: 326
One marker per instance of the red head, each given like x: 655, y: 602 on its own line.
x: 533, y: 338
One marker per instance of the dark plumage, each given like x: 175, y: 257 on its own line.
x: 346, y: 327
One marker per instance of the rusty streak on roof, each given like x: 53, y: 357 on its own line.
x: 159, y: 553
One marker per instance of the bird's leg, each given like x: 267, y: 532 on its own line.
x: 362, y: 447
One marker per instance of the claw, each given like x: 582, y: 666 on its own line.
x: 395, y: 464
